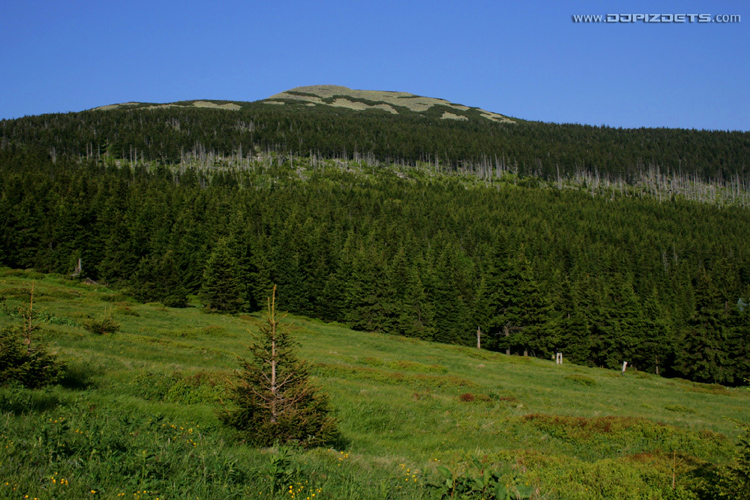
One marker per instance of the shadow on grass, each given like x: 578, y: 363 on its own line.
x: 18, y: 400
x: 79, y: 377
x: 339, y: 442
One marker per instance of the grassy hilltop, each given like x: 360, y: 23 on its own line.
x: 135, y: 416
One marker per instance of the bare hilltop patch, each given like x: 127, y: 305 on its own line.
x: 343, y: 97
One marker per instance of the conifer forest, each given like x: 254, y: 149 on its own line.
x: 607, y: 245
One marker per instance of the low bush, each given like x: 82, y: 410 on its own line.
x: 479, y: 481
x: 104, y: 326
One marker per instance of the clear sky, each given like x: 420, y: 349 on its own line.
x: 525, y: 59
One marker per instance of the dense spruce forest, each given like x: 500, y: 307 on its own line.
x: 368, y: 219
x: 173, y: 134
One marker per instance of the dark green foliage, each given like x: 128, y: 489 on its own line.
x: 388, y: 248
x: 104, y: 325
x: 24, y: 360
x: 274, y: 398
x: 516, y: 308
x: 222, y: 289
x: 730, y: 481
x: 708, y: 345
x: 32, y: 366
x: 158, y: 280
x: 166, y: 135
x: 740, y: 470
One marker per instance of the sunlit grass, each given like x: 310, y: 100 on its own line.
x: 403, y: 404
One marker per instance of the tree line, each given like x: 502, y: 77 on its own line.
x: 171, y: 134
x: 664, y: 286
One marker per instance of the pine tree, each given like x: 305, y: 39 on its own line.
x: 416, y: 319
x: 704, y: 351
x: 622, y: 326
x: 173, y: 292
x: 158, y: 279
x: 274, y: 398
x: 222, y: 289
x: 658, y: 344
x: 569, y: 329
x: 22, y: 358
x: 517, y: 308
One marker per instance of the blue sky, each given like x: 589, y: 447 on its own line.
x: 524, y: 59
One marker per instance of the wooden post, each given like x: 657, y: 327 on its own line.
x: 78, y: 270
x: 507, y: 334
x: 479, y: 338
x: 624, y: 366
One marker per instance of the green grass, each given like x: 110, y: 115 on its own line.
x: 137, y: 412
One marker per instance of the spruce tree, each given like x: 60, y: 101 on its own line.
x: 704, y: 352
x: 515, y: 304
x: 416, y: 318
x: 222, y: 289
x: 158, y: 279
x: 569, y: 329
x: 274, y: 398
x: 23, y: 359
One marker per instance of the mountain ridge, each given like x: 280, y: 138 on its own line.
x: 389, y: 101
x: 336, y: 96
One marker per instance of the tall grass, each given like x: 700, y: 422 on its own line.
x: 135, y: 416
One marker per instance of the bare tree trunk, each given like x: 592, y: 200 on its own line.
x: 274, y: 389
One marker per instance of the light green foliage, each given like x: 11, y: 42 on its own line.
x: 139, y: 409
x: 479, y: 481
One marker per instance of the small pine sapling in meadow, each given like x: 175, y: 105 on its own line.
x: 22, y: 359
x: 104, y: 325
x: 274, y: 400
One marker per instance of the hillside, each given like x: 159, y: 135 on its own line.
x: 329, y: 122
x: 371, y: 209
x: 605, y: 277
x: 135, y: 416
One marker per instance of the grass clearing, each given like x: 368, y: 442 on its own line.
x: 136, y: 412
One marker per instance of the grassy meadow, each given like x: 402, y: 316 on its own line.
x: 135, y: 415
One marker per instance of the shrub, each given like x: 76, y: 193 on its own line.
x: 479, y: 482
x: 731, y: 482
x: 103, y: 326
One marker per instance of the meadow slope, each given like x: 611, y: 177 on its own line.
x: 135, y: 416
